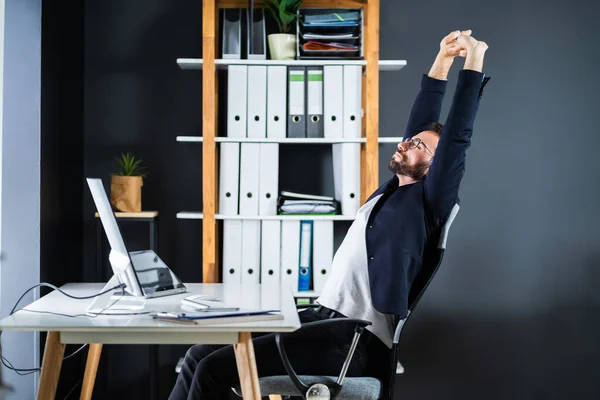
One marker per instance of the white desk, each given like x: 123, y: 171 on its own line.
x: 142, y: 329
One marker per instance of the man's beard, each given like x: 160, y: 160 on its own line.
x: 416, y: 172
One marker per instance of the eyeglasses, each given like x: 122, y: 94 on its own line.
x: 414, y: 143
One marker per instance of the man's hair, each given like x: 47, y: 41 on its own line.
x: 436, y: 127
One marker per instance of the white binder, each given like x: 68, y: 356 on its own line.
x: 270, y: 253
x: 322, y: 252
x: 268, y: 181
x: 333, y: 101
x: 250, y: 251
x: 276, y: 101
x: 257, y: 101
x: 229, y: 173
x: 232, y: 251
x: 290, y: 254
x: 249, y: 178
x: 346, y: 176
x: 352, y: 101
x: 237, y: 89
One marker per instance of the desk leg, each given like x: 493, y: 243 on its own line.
x: 91, y: 369
x: 246, y: 365
x: 51, y: 364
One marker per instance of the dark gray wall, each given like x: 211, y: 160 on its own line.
x: 61, y: 166
x: 514, y: 311
x: 511, y: 313
x: 137, y: 99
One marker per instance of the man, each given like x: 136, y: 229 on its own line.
x: 376, y: 263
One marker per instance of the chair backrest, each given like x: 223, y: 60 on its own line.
x: 431, y: 263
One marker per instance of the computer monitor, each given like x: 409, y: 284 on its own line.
x: 144, y: 274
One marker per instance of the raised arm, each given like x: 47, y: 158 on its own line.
x: 448, y: 165
x: 428, y: 104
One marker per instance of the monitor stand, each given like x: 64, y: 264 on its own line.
x: 117, y: 303
x: 152, y: 274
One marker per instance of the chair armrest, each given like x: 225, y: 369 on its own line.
x: 360, y: 326
x: 333, y: 321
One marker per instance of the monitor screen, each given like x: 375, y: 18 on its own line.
x: 120, y: 259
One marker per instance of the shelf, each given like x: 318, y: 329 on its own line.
x: 394, y: 140
x: 196, y: 63
x: 199, y: 215
x: 199, y: 139
x: 391, y: 65
x: 189, y: 215
x: 307, y: 293
x: 141, y: 214
x: 191, y: 139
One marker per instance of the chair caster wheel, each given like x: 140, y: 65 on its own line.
x: 318, y: 391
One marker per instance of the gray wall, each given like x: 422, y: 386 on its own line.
x: 514, y: 311
x: 20, y: 224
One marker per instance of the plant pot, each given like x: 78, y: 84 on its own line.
x: 282, y: 46
x: 126, y: 193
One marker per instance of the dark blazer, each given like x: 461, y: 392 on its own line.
x: 405, y: 220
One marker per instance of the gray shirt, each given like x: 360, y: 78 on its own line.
x: 347, y: 289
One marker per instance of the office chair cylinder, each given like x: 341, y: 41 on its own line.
x: 349, y: 358
x: 318, y: 391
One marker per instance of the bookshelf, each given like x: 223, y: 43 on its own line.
x: 209, y: 64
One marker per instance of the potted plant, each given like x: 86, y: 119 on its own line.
x: 282, y: 45
x: 126, y: 185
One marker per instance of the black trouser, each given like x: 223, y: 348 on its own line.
x: 210, y: 371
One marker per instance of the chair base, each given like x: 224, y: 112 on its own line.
x: 352, y: 388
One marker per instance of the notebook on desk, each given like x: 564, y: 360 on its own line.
x: 221, y: 317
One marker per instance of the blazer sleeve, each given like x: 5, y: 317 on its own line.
x: 427, y: 106
x: 448, y: 165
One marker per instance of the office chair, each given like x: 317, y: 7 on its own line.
x: 380, y: 386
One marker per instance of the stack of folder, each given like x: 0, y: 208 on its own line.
x: 330, y: 34
x: 304, y: 204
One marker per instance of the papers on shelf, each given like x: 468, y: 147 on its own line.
x: 316, y: 45
x: 328, y: 36
x: 299, y: 203
x: 294, y: 195
x: 331, y: 17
